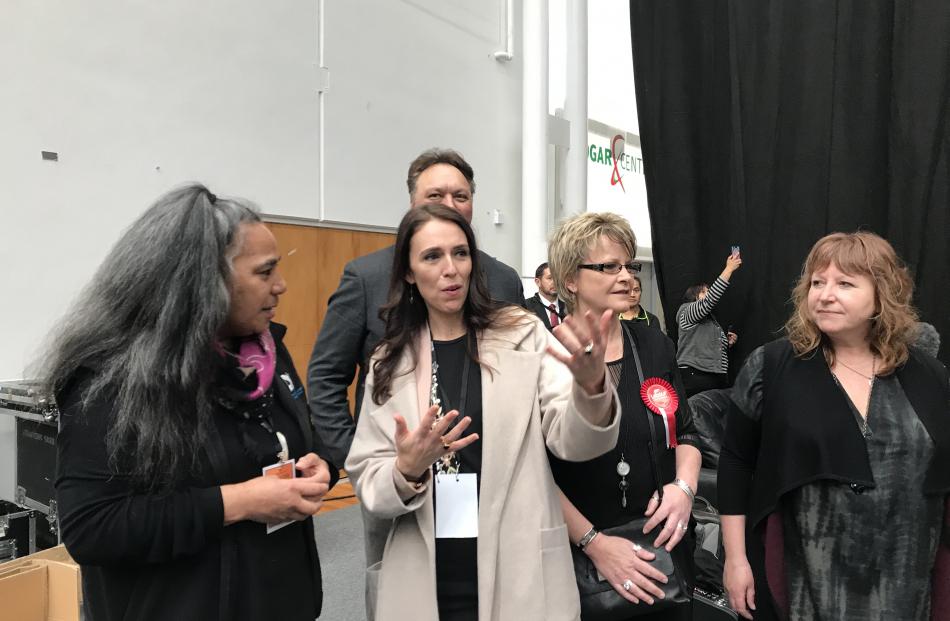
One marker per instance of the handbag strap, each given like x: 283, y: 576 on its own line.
x: 653, y: 458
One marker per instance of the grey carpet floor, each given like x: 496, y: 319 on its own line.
x: 339, y: 537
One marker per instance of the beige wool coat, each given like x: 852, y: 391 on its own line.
x: 530, y: 402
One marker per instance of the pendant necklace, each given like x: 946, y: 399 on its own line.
x: 623, y: 469
x: 869, y: 378
x: 862, y: 420
x: 449, y: 462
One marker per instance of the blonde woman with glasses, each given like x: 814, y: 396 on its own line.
x: 591, y: 259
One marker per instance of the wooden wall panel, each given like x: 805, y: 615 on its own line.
x: 313, y: 261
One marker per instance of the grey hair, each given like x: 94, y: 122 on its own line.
x: 928, y: 339
x: 144, y: 330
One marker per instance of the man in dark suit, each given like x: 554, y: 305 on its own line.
x: 544, y: 303
x: 352, y: 327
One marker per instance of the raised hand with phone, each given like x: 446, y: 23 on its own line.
x: 703, y: 346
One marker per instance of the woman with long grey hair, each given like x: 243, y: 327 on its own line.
x: 187, y: 470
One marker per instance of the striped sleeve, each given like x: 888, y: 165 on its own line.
x: 694, y: 312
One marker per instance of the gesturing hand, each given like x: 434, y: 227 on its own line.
x: 586, y: 341
x: 418, y: 449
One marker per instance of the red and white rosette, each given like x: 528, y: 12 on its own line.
x: 659, y: 396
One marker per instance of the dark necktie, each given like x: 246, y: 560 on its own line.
x: 555, y: 319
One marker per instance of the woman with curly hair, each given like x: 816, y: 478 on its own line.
x: 836, y: 463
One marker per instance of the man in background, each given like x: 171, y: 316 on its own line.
x: 545, y: 303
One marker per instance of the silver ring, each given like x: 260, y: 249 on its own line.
x: 637, y: 547
x: 589, y: 348
x: 627, y: 584
x: 685, y: 528
x: 679, y: 525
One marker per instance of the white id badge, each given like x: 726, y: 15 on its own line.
x: 456, y: 514
x: 281, y: 470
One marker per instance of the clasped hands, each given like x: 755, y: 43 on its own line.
x: 625, y: 565
x: 270, y: 499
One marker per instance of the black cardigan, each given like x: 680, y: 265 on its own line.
x: 807, y: 432
x: 168, y: 555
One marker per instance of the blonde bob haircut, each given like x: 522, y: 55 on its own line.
x: 893, y: 325
x: 575, y: 237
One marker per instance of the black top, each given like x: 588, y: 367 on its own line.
x: 456, y: 566
x: 169, y: 556
x: 593, y: 486
x: 646, y: 317
x: 285, y: 591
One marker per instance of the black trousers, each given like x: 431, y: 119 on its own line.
x: 695, y: 381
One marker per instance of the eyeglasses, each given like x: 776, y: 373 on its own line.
x: 612, y: 268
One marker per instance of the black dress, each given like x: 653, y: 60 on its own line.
x: 867, y: 555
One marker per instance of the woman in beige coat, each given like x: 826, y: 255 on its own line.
x: 480, y: 479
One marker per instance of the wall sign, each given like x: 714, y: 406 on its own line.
x: 617, y: 159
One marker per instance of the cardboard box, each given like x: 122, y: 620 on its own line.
x: 41, y: 587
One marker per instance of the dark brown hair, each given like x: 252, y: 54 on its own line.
x: 692, y: 293
x: 430, y: 158
x: 406, y: 313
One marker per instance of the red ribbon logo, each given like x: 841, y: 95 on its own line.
x: 615, y: 177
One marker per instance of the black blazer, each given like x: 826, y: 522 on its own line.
x: 537, y: 306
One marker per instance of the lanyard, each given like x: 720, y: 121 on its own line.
x: 267, y: 423
x: 449, y: 463
x: 259, y: 409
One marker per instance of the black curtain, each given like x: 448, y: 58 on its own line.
x: 768, y: 124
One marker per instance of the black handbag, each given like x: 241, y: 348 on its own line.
x: 599, y: 600
x: 708, y: 555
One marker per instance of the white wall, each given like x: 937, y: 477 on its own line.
x: 137, y: 97
x: 406, y: 75
x: 611, y: 107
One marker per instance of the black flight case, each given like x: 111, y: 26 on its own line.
x: 31, y: 520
